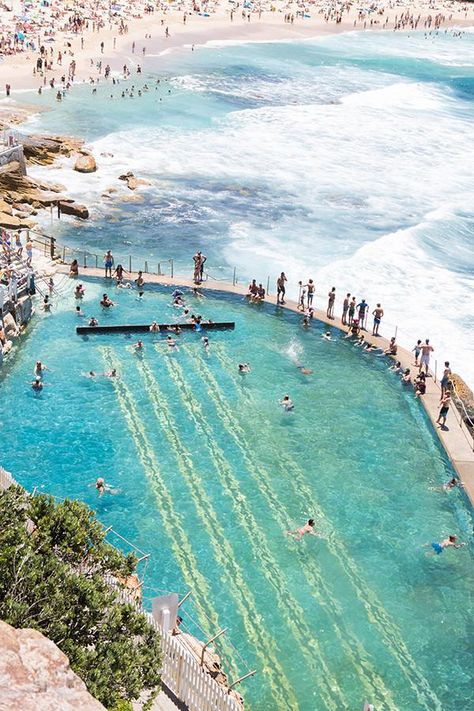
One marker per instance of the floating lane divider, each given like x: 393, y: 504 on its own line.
x: 163, y: 328
x: 307, y: 644
x: 375, y: 611
x: 370, y: 680
x: 224, y: 554
x: 178, y: 537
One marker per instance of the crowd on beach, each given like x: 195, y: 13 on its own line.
x: 87, y: 41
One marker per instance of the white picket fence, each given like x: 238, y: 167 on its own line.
x: 188, y: 681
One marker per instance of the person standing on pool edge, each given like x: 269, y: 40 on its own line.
x: 377, y: 313
x: 331, y: 300
x: 345, y: 308
x: 108, y: 263
x: 281, y: 288
x: 426, y: 351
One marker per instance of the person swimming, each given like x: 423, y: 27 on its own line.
x: 138, y: 346
x: 244, y: 368
x: 449, y: 542
x: 205, y: 343
x: 303, y: 369
x: 308, y: 527
x: 37, y: 384
x: 327, y: 336
x: 287, y: 404
x: 451, y: 484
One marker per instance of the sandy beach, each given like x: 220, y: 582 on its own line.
x: 133, y: 36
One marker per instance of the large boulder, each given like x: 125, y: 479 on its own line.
x: 73, y: 208
x: 132, y: 181
x: 85, y: 164
x: 9, y: 222
x: 43, y: 150
x: 35, y: 675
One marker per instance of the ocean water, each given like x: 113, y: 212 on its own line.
x: 346, y: 159
x: 209, y: 473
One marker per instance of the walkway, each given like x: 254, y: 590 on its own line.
x: 455, y: 440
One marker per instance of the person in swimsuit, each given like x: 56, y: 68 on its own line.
x: 426, y: 351
x: 93, y: 322
x: 449, y: 542
x: 392, y: 347
x: 303, y: 530
x: 46, y: 304
x: 39, y: 369
x: 406, y: 377
x: 444, y: 409
x: 138, y: 346
x: 100, y: 486
x: 74, y: 268
x: 345, y: 308
x: 417, y: 350
x: 108, y: 263
x: 420, y: 385
x: 286, y: 404
x: 377, y: 313
x: 363, y: 306
x: 327, y: 336
x: 244, y: 368
x: 37, y: 384
x: 445, y: 379
x: 281, y: 288
x: 105, y: 302
x: 451, y: 484
x: 396, y: 367
x: 303, y: 370
x: 331, y: 301
x: 154, y: 328
x: 79, y: 292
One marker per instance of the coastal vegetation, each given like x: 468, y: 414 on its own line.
x: 55, y: 572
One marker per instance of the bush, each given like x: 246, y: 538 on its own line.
x: 53, y: 559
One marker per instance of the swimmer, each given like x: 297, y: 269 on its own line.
x: 303, y: 530
x: 46, y: 304
x: 138, y: 346
x: 100, y: 486
x: 39, y: 369
x: 79, y: 292
x: 198, y: 293
x: 37, y: 384
x: 154, y: 328
x: 360, y: 342
x: 369, y: 347
x: 396, y: 367
x: 106, y: 302
x: 449, y: 542
x: 287, y: 404
x: 170, y: 342
x: 327, y: 336
x: 303, y: 370
x: 451, y: 484
x: 93, y: 321
x: 205, y: 343
x: 111, y: 373
x: 244, y: 368
x: 90, y: 374
x: 79, y: 311
x: 139, y: 296
x: 406, y: 377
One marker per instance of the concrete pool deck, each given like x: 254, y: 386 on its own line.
x: 456, y: 441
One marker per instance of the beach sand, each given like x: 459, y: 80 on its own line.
x: 149, y: 32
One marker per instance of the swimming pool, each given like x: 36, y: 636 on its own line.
x: 211, y: 472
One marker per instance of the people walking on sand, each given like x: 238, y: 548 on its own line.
x: 377, y: 313
x: 444, y: 409
x: 426, y: 350
x: 445, y: 380
x: 307, y: 528
x: 281, y: 291
x: 417, y: 350
x: 331, y: 301
x: 345, y: 308
x: 108, y: 263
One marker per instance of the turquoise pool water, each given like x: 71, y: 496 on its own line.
x: 211, y: 473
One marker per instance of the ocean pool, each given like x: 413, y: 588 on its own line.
x: 211, y: 472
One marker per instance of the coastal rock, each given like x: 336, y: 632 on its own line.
x: 132, y: 181
x: 5, y: 207
x: 10, y: 222
x: 85, y: 164
x: 73, y: 208
x: 35, y: 674
x: 43, y: 150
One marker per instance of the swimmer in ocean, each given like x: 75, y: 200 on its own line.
x: 111, y: 373
x: 303, y: 370
x: 244, y: 368
x: 449, y: 542
x: 303, y: 530
x: 90, y: 374
x: 287, y: 404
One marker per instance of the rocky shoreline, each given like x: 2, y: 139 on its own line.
x: 21, y: 196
